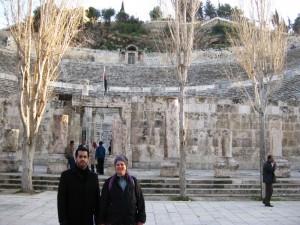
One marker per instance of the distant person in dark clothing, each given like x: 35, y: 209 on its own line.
x: 83, y: 143
x: 100, y: 156
x: 122, y: 200
x: 69, y: 153
x: 269, y: 178
x: 109, y: 148
x: 78, y: 193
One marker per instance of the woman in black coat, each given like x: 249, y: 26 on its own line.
x: 78, y: 192
x: 122, y: 200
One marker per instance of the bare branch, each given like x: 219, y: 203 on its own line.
x: 39, y: 56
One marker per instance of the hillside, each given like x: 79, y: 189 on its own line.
x: 96, y: 36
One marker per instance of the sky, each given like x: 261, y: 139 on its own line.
x: 141, y: 8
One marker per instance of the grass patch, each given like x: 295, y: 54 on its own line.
x: 255, y: 198
x: 273, y: 199
x: 19, y: 191
x: 179, y: 198
x: 276, y: 199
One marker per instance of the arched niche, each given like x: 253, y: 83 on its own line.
x: 131, y: 55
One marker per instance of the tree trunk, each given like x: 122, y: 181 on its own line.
x: 27, y: 157
x: 182, y: 171
x: 262, y: 151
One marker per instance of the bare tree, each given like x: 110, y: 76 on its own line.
x: 261, y: 52
x: 178, y: 42
x: 39, y: 55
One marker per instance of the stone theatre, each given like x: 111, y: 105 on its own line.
x: 139, y: 112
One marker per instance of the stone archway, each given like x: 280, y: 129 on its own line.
x: 122, y: 125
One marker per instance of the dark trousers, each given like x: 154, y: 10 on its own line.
x: 71, y: 161
x: 269, y: 192
x: 100, y: 165
x: 93, y: 167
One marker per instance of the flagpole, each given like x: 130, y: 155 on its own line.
x: 104, y: 77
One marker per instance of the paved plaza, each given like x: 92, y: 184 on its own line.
x: 40, y: 209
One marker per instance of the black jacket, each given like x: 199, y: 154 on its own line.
x: 78, y: 197
x: 269, y: 173
x: 122, y: 207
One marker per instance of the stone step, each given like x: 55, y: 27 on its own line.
x: 166, y: 184
x: 158, y: 187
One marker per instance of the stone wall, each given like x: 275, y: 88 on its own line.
x: 137, y: 97
x: 205, y: 119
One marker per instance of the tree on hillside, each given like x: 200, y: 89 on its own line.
x: 122, y: 17
x: 224, y: 11
x: 200, y: 13
x: 156, y: 13
x: 210, y: 9
x: 275, y: 19
x: 179, y: 38
x: 93, y: 13
x: 36, y: 19
x: 107, y: 14
x: 261, y: 52
x: 296, y: 25
x: 236, y: 12
x: 58, y: 25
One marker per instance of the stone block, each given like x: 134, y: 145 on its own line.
x: 244, y: 109
x: 10, y: 140
x: 169, y: 167
x: 225, y: 167
x: 57, y: 163
x: 9, y: 164
x: 283, y: 168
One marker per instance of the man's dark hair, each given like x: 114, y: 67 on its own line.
x: 71, y: 142
x: 100, y: 143
x: 269, y: 157
x: 82, y: 148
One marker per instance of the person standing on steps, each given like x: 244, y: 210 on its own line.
x: 269, y: 178
x: 69, y: 153
x: 93, y: 161
x: 100, y: 156
x: 109, y: 148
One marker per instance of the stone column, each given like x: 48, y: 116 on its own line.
x: 74, y: 129
x: 117, y: 145
x: 283, y: 166
x: 57, y: 161
x: 85, y: 88
x: 87, y: 116
x: 126, y: 129
x: 170, y: 163
x: 225, y: 166
x: 9, y: 160
x: 87, y: 124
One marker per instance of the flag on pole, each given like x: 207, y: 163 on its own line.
x: 104, y: 80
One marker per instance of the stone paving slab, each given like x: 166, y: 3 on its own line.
x: 40, y: 209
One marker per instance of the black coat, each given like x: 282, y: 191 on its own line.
x: 78, y: 197
x: 269, y: 173
x: 118, y: 206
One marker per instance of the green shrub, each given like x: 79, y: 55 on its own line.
x: 179, y: 198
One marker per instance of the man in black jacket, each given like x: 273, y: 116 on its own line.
x: 122, y: 200
x: 78, y: 192
x: 269, y: 178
